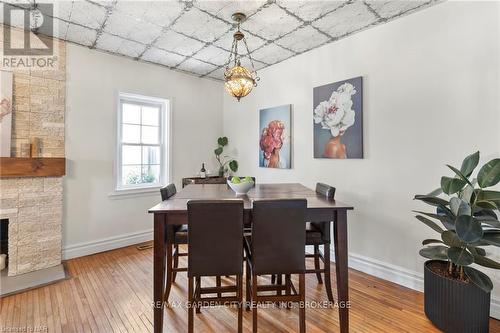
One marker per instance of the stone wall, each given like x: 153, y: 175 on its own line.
x: 34, y: 205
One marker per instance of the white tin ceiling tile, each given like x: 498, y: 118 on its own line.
x: 120, y: 24
x: 253, y: 41
x: 177, y: 43
x: 224, y: 9
x: 162, y: 57
x: 310, y: 10
x: 163, y: 13
x: 388, y: 9
x: 88, y: 14
x: 213, y: 55
x: 62, y: 9
x: 108, y: 42
x: 81, y: 35
x: 130, y: 48
x: 271, y: 22
x: 196, y: 66
x: 60, y: 28
x: 303, y: 39
x: 346, y: 20
x: 200, y: 25
x: 132, y: 8
x: 218, y: 74
x: 145, y: 32
x: 271, y: 54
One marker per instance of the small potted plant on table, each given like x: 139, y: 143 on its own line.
x: 224, y: 161
x: 457, y: 295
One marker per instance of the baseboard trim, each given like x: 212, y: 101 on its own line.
x: 106, y: 244
x: 400, y: 275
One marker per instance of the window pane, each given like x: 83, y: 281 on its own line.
x: 150, y: 135
x: 150, y: 155
x: 150, y: 116
x: 131, y: 174
x: 131, y: 154
x: 131, y: 113
x: 151, y: 174
x: 131, y: 133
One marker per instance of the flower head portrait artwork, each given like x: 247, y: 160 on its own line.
x: 274, y: 140
x: 338, y: 120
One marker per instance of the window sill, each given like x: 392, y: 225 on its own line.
x: 135, y: 192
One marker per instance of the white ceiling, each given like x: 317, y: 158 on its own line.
x: 195, y: 35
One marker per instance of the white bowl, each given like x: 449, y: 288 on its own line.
x: 241, y: 188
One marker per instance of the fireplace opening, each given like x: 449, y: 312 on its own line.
x: 4, y: 243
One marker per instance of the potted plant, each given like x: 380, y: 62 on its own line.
x: 224, y: 161
x: 457, y: 295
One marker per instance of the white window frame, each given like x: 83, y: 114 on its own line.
x: 165, y: 144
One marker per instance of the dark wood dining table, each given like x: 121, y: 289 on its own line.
x: 319, y: 209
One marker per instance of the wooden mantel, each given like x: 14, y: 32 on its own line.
x: 32, y: 167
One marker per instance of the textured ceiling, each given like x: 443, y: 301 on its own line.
x: 195, y: 35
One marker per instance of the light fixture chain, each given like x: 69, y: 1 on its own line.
x: 250, y: 57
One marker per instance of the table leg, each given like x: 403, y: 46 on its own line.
x: 341, y: 267
x: 159, y: 270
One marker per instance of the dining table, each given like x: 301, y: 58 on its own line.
x: 319, y: 209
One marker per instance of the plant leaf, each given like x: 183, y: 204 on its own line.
x: 218, y: 151
x: 222, y: 141
x: 451, y: 239
x: 468, y: 229
x: 460, y: 256
x: 459, y: 174
x: 459, y: 207
x: 431, y: 200
x: 233, y: 165
x: 485, y: 214
x: 491, y: 238
x: 430, y: 224
x: 479, y: 279
x: 486, y: 204
x: 445, y: 220
x: 476, y: 250
x: 467, y: 193
x: 438, y: 252
x: 431, y: 241
x: 469, y: 164
x: 452, y: 185
x: 489, y: 174
x: 436, y: 192
x: 486, y: 262
x: 490, y: 196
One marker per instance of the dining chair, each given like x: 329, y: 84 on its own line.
x: 215, y: 247
x: 175, y: 235
x: 317, y: 234
x: 276, y: 247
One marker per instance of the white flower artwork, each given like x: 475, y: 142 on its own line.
x: 336, y: 114
x: 338, y: 119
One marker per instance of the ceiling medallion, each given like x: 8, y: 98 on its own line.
x: 239, y: 81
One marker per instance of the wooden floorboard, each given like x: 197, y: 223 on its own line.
x: 112, y: 292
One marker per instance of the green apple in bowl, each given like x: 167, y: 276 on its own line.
x: 240, y: 187
x: 236, y: 180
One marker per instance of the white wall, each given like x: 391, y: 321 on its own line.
x: 92, y: 220
x: 431, y: 87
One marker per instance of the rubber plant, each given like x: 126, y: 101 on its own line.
x: 224, y: 161
x: 466, y: 219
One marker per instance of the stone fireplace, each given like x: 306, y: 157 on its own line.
x: 34, y: 205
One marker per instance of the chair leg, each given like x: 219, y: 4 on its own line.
x: 198, y: 295
x: 328, y: 276
x: 176, y: 262
x: 254, y: 303
x: 191, y: 304
x: 168, y: 273
x: 247, y: 279
x: 240, y: 302
x: 218, y: 283
x: 316, y: 263
x: 302, y: 307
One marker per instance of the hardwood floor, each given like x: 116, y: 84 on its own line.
x: 112, y: 292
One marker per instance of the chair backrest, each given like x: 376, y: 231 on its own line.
x: 329, y: 192
x: 326, y: 190
x: 215, y: 237
x: 168, y: 191
x: 278, y: 236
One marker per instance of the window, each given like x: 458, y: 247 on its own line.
x: 142, y: 160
